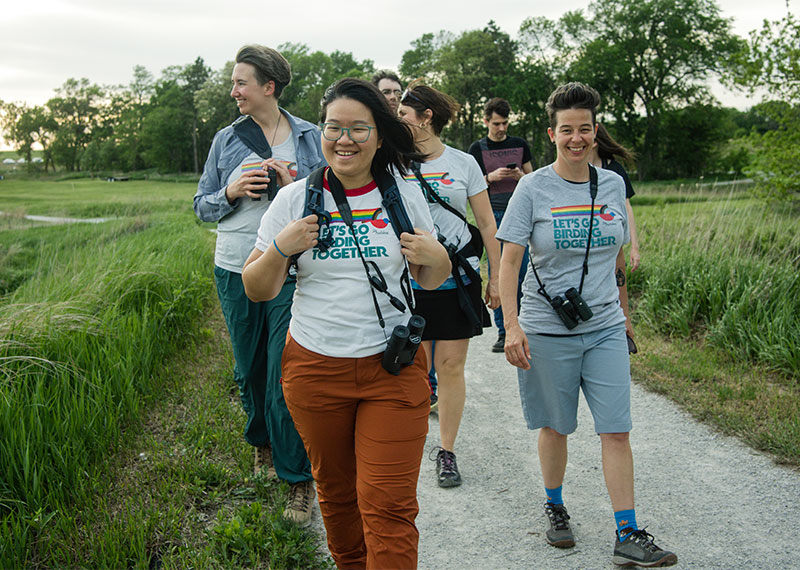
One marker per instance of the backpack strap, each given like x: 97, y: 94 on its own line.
x: 252, y: 136
x: 393, y: 204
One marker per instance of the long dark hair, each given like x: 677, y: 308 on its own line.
x: 608, y: 148
x: 397, y: 149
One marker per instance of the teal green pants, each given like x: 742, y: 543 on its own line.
x: 258, y: 333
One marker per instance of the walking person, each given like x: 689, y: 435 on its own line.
x: 604, y: 155
x: 363, y: 426
x: 570, y: 332
x: 503, y: 159
x: 450, y: 178
x: 231, y: 192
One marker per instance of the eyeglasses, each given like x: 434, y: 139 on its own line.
x: 387, y: 92
x: 407, y: 93
x: 356, y: 133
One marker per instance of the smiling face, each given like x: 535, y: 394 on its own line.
x: 250, y: 96
x: 573, y: 136
x: 350, y: 161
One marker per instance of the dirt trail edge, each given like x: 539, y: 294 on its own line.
x: 713, y: 501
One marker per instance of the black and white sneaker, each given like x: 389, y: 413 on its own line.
x: 558, y: 533
x: 638, y: 549
x: 446, y: 469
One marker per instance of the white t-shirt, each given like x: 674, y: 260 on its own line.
x: 333, y: 313
x: 455, y: 177
x: 235, y: 231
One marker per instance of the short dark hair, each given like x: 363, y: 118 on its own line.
x: 574, y: 95
x: 270, y: 65
x: 385, y: 74
x: 497, y: 105
x: 397, y: 149
x: 421, y: 97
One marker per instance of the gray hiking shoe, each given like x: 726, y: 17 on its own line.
x: 301, y: 503
x: 559, y: 533
x: 262, y: 463
x: 640, y: 550
x: 447, y: 473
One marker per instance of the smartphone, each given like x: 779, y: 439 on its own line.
x: 511, y: 165
x: 631, y: 345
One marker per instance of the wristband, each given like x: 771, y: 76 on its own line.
x: 275, y: 243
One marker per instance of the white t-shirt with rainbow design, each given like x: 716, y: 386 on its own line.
x: 333, y: 313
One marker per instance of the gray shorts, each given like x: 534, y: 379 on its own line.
x: 596, y: 362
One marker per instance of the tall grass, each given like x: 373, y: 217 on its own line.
x: 726, y: 269
x: 80, y: 344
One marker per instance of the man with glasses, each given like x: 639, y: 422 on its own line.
x: 503, y: 160
x: 389, y: 84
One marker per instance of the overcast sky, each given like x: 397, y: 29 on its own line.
x: 45, y: 42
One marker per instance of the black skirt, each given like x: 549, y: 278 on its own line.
x: 444, y: 319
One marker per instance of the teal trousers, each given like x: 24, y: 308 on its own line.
x: 258, y: 333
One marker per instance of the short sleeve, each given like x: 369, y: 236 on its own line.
x: 517, y: 224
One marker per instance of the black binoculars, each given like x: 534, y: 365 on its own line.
x: 403, y: 345
x: 572, y: 309
x: 272, y: 186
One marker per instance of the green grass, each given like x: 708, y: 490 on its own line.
x: 117, y: 448
x: 89, y: 198
x: 717, y: 298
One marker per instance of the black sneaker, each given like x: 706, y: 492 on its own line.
x: 559, y: 533
x: 446, y: 469
x: 500, y: 344
x: 640, y: 550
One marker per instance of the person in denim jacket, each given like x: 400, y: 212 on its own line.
x: 230, y: 193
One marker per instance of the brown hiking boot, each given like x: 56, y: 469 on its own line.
x: 263, y: 462
x: 301, y: 503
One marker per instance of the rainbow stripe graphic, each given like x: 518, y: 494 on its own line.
x: 439, y: 176
x: 601, y: 211
x: 250, y: 166
x: 373, y: 216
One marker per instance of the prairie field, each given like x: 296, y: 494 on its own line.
x: 120, y: 427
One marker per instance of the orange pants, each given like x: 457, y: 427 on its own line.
x: 364, y: 431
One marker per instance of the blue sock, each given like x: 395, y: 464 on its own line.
x: 626, y: 520
x: 554, y: 495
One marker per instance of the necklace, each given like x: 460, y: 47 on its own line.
x: 275, y: 134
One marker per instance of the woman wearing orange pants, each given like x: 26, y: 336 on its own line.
x: 363, y: 426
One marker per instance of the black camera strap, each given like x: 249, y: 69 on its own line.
x: 376, y: 281
x: 252, y: 136
x: 431, y: 195
x: 585, y: 269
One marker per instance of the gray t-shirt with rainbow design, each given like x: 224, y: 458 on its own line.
x: 552, y: 216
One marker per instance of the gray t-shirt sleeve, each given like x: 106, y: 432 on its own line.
x: 517, y: 224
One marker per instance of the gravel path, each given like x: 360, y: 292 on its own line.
x: 710, y: 499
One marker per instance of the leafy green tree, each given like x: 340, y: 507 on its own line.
x: 771, y: 61
x: 643, y: 55
x: 28, y: 126
x: 471, y: 67
x: 75, y: 110
x: 313, y: 73
x: 215, y: 106
x: 693, y: 139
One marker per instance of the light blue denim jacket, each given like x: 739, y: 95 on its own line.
x: 228, y: 151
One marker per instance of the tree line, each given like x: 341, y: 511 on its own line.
x: 651, y: 60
